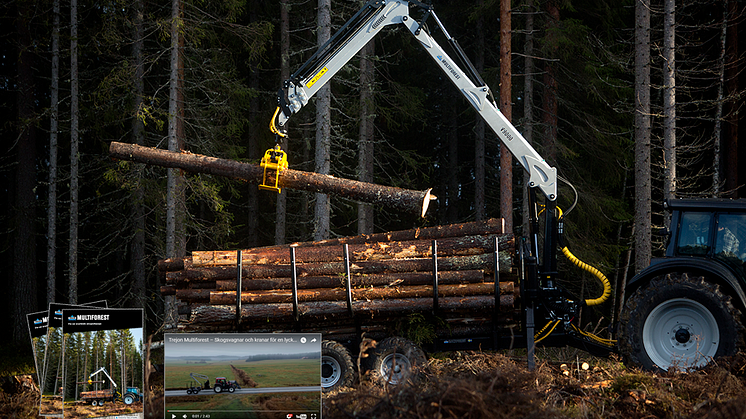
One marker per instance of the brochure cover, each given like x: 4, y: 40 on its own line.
x: 50, y: 371
x: 37, y: 327
x: 103, y: 363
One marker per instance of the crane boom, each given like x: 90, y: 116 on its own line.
x: 364, y: 26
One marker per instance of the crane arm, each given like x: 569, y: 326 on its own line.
x: 103, y: 369
x: 364, y: 26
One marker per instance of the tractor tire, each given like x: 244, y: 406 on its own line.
x: 128, y: 399
x: 217, y: 389
x: 231, y: 389
x: 337, y: 370
x: 396, y: 361
x: 679, y: 321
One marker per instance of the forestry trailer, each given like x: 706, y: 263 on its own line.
x: 682, y: 311
x: 112, y: 394
x: 221, y: 384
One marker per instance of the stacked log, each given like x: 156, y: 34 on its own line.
x: 391, y: 276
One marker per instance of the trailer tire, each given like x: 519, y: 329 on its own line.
x: 396, y: 361
x: 217, y: 389
x: 128, y: 399
x: 337, y: 370
x: 679, y: 320
x: 94, y: 403
x: 189, y: 391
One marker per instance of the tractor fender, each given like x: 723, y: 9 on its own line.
x: 711, y: 268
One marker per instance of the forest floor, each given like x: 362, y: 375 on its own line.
x: 485, y: 384
x: 489, y: 385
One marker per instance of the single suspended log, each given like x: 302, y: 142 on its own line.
x: 325, y: 310
x: 340, y: 294
x: 395, y: 198
x: 403, y: 279
x: 452, y: 246
x: 456, y: 263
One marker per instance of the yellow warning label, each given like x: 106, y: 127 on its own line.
x: 316, y: 77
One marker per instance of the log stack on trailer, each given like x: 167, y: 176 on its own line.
x: 345, y: 286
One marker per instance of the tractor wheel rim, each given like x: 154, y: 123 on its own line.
x: 331, y: 371
x: 680, y: 332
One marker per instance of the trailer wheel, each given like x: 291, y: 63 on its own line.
x: 337, y: 370
x: 189, y: 391
x: 128, y: 399
x: 397, y: 360
x: 679, y: 321
x: 217, y: 389
x: 94, y: 403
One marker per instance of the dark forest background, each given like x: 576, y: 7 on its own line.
x: 572, y: 73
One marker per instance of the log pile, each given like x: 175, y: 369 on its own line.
x: 368, y: 281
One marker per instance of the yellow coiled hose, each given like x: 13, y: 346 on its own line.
x: 601, y: 277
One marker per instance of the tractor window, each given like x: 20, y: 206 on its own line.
x: 694, y: 235
x: 729, y: 245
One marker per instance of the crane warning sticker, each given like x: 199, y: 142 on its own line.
x: 317, y: 77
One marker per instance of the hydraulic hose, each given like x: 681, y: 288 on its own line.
x: 601, y: 277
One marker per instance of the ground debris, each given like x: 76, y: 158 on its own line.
x: 482, y: 384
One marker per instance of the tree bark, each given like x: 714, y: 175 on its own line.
x: 329, y: 310
x: 22, y: 286
x: 528, y: 96
x: 365, y: 280
x: 642, y: 136
x: 394, y: 198
x: 454, y: 246
x: 456, y: 263
x: 74, y: 156
x: 358, y: 294
x: 669, y: 101
x: 322, y: 212
x: 506, y: 93
x: 367, y: 129
x: 732, y: 102
x: 53, y: 148
x: 137, y: 258
x: 479, y: 139
x: 550, y: 85
x: 281, y: 208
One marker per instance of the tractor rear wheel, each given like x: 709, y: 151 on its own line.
x: 679, y: 321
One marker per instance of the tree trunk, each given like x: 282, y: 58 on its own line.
x: 395, y: 198
x: 175, y: 205
x: 717, y: 134
x: 732, y: 102
x: 506, y: 92
x: 322, y: 213
x: 479, y: 140
x: 74, y: 155
x: 669, y: 101
x: 528, y: 97
x: 367, y: 129
x: 642, y: 135
x: 281, y: 208
x: 550, y: 85
x: 22, y: 287
x: 53, y: 148
x: 137, y: 257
